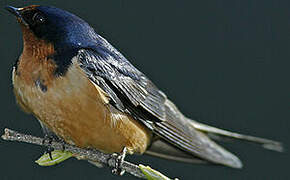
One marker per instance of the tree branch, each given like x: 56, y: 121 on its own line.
x: 89, y: 154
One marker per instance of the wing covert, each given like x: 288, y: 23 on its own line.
x: 123, y: 82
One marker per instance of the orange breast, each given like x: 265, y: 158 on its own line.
x: 78, y: 111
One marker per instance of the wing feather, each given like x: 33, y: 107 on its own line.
x: 137, y: 88
x: 132, y: 92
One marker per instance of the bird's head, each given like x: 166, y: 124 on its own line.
x: 54, y: 25
x: 53, y: 28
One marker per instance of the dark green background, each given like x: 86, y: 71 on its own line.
x: 225, y: 63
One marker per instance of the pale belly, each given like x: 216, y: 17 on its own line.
x: 79, y: 112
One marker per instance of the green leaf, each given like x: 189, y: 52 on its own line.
x: 57, y: 157
x: 152, y: 174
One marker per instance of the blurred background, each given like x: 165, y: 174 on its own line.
x: 224, y: 63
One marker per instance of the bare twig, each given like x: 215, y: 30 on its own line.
x: 89, y: 154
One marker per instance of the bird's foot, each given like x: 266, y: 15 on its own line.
x: 47, y: 140
x: 118, y: 169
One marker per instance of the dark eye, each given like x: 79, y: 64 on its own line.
x: 38, y: 18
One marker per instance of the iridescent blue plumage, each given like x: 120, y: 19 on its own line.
x: 65, y: 29
x: 69, y: 33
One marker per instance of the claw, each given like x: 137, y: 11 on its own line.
x: 47, y: 140
x: 49, y: 149
x: 119, y: 162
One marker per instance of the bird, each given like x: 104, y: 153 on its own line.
x: 84, y: 91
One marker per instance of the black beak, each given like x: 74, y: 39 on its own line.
x: 13, y: 10
x: 16, y: 12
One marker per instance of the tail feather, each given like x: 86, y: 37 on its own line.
x: 220, y: 134
x: 165, y: 150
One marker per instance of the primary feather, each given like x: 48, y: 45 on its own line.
x: 132, y: 92
x: 138, y: 96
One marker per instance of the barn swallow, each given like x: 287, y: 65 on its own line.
x: 84, y: 91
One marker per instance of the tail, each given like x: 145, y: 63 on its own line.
x: 219, y: 134
x: 163, y: 149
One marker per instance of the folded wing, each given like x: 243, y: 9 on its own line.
x: 132, y: 92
